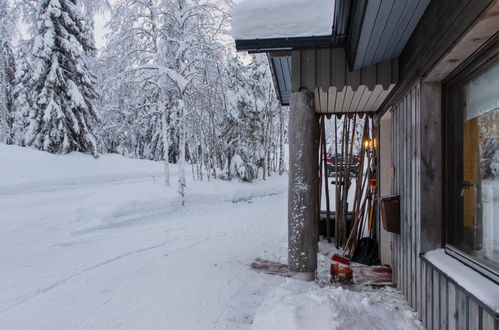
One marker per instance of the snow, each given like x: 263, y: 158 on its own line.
x: 471, y: 281
x: 259, y: 19
x: 26, y: 169
x: 102, y: 243
x: 122, y: 253
x: 297, y: 305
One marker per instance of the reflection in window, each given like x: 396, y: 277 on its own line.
x: 480, y: 165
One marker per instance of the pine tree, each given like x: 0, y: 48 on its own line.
x: 23, y: 95
x: 62, y: 117
x: 7, y: 72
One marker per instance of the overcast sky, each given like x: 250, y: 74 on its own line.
x: 100, y: 29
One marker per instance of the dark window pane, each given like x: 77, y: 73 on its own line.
x: 477, y: 226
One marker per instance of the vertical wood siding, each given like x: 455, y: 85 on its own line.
x: 405, y: 130
x: 440, y: 303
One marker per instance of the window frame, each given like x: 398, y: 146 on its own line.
x: 453, y: 112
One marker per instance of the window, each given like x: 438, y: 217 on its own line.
x: 472, y: 165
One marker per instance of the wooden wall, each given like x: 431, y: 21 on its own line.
x: 406, y: 163
x: 442, y: 24
x: 416, y: 157
x: 447, y: 306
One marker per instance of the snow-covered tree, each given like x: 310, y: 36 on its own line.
x: 7, y: 72
x: 62, y: 116
x: 164, y: 45
x: 180, y: 93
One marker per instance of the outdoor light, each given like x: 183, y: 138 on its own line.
x: 367, y: 144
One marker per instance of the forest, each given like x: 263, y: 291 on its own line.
x: 168, y: 85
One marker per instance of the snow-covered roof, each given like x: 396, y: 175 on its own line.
x: 261, y: 19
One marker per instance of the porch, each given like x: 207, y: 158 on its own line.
x: 405, y: 63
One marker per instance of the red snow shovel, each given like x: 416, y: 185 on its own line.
x: 340, y: 269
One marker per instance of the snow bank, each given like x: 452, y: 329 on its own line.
x: 25, y: 169
x: 300, y: 305
x: 133, y: 189
x: 258, y: 19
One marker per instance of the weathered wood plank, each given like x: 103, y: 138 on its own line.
x: 308, y: 69
x: 436, y: 300
x: 373, y: 97
x: 412, y: 194
x: 296, y: 70
x: 391, y: 27
x: 462, y: 310
x: 357, y: 97
x: 422, y: 296
x: 444, y: 305
x: 416, y: 15
x: 452, y: 313
x: 419, y: 284
x: 407, y: 183
x: 429, y: 297
x: 395, y: 143
x: 317, y: 101
x: 331, y: 100
x: 367, y: 28
x: 487, y: 320
x: 378, y: 29
x: 407, y: 229
x: 417, y: 260
x: 340, y: 96
x: 473, y: 315
x: 431, y: 167
x: 394, y: 40
x: 363, y: 99
x: 349, y: 94
x: 403, y: 219
x: 324, y: 63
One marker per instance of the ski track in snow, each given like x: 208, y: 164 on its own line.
x: 83, y: 271
x: 62, y: 273
x: 109, y: 250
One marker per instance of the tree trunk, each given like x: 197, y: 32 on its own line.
x: 181, y: 157
x: 166, y: 144
x: 303, y: 194
x: 281, y: 143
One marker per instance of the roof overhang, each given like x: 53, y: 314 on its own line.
x: 280, y: 65
x: 289, y: 43
x: 370, y: 32
x: 336, y: 87
x: 333, y: 34
x: 380, y: 29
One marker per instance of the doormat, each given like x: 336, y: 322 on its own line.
x: 372, y: 275
x: 270, y: 267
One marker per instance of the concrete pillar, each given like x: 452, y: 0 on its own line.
x: 303, y: 197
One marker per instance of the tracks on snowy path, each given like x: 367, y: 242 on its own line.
x: 134, y: 251
x: 72, y: 183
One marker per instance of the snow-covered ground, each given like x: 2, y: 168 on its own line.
x: 102, y: 244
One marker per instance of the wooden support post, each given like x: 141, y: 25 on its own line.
x: 303, y: 210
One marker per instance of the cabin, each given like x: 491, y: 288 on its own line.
x: 427, y: 73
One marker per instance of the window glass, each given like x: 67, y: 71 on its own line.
x: 479, y: 235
